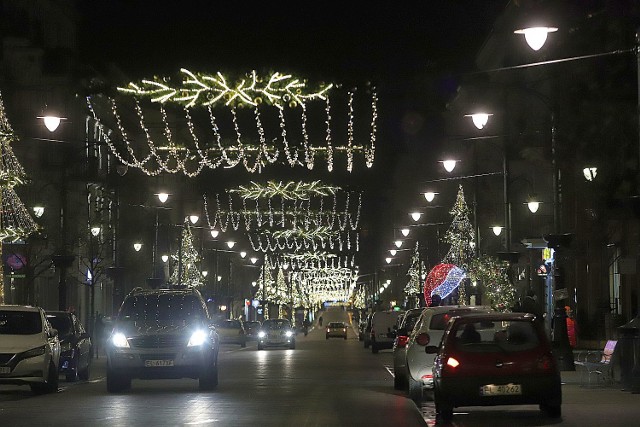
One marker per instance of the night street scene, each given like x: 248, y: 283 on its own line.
x: 349, y: 213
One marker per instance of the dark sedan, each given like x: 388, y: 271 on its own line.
x: 75, y: 345
x: 495, y: 359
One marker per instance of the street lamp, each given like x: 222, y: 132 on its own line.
x: 449, y: 164
x: 405, y: 232
x: 214, y: 233
x: 95, y: 231
x: 231, y: 244
x: 253, y: 260
x: 429, y: 196
x: 533, y: 204
x: 589, y: 173
x: 416, y: 216
x: 497, y: 229
x: 163, y: 197
x: 51, y: 120
x: 165, y: 258
x: 194, y: 219
x: 536, y: 36
x: 393, y: 252
x: 479, y: 119
x: 137, y: 246
x: 398, y: 243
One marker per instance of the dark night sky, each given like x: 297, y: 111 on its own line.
x: 407, y: 49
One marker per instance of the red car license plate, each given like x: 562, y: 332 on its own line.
x: 501, y: 390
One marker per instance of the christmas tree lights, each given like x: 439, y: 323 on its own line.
x: 15, y: 220
x: 186, y: 261
x: 491, y: 273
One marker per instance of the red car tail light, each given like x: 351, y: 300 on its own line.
x: 401, y: 341
x: 452, y: 363
x: 546, y: 363
x: 423, y: 339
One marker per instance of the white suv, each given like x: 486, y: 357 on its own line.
x: 428, y: 330
x: 29, y: 349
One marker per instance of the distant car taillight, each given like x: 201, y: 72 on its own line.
x: 401, y: 341
x: 423, y: 339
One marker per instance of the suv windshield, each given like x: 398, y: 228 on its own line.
x: 20, y: 323
x: 162, y: 307
x: 276, y: 324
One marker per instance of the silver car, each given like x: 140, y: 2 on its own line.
x: 400, y: 347
x: 276, y: 333
x: 29, y: 349
x: 428, y: 331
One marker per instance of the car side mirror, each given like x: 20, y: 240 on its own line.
x: 431, y: 349
x: 53, y: 333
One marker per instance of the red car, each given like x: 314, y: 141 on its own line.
x: 495, y: 359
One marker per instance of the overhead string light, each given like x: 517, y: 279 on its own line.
x: 213, y: 91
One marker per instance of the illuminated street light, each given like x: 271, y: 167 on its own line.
x: 405, y: 232
x: 38, y: 211
x: 536, y: 36
x: 194, y: 219
x: 219, y: 278
x: 388, y: 260
x: 243, y: 254
x: 95, y: 231
x: 393, y: 252
x: 449, y: 165
x: 231, y: 244
x: 165, y: 258
x: 429, y: 196
x: 214, y: 233
x: 205, y: 273
x: 416, y: 216
x: 497, y: 230
x: 253, y: 260
x: 51, y: 120
x: 533, y: 204
x: 163, y: 197
x: 479, y: 119
x: 137, y: 246
x: 398, y: 243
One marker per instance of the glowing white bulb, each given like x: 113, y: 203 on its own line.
x: 231, y: 244
x: 533, y: 206
x: 405, y: 232
x: 165, y: 258
x: 205, y: 273
x: 38, y: 211
x: 388, y: 260
x: 214, y: 233
x: 95, y: 231
x: 589, y: 173
x: 393, y: 252
x: 429, y: 196
x: 51, y: 122
x: 536, y: 36
x: 194, y: 219
x: 398, y: 243
x: 243, y: 254
x: 163, y: 197
x: 479, y: 119
x: 497, y: 230
x: 137, y: 246
x: 416, y: 215
x: 253, y: 260
x: 449, y: 165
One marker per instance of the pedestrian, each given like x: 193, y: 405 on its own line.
x: 320, y: 321
x: 306, y: 324
x: 435, y: 300
x: 530, y: 305
x: 571, y: 327
x: 98, y: 332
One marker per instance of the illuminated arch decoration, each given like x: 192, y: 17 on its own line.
x: 442, y: 280
x: 206, y: 122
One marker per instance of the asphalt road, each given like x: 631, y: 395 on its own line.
x: 320, y: 383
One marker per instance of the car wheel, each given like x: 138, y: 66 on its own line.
x: 260, y: 347
x: 553, y: 411
x: 444, y: 411
x: 415, y: 389
x: 398, y: 382
x: 209, y: 380
x: 117, y: 382
x: 51, y: 386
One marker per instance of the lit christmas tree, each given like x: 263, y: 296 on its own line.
x: 281, y: 292
x: 416, y: 270
x: 296, y: 294
x: 492, y: 274
x: 265, y: 282
x: 190, y: 275
x: 461, y: 237
x: 15, y: 220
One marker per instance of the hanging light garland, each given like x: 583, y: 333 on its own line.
x: 288, y: 191
x: 199, y: 91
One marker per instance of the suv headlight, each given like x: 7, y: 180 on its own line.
x: 289, y: 334
x: 39, y: 351
x: 199, y: 337
x: 262, y: 334
x: 119, y: 340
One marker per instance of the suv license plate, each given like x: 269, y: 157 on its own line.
x: 157, y: 363
x: 5, y: 370
x: 501, y: 390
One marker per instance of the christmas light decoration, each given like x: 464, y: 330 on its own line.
x: 416, y: 269
x: 15, y: 220
x: 185, y: 260
x: 442, y: 280
x: 154, y: 149
x: 205, y: 89
x: 492, y: 274
x: 288, y: 191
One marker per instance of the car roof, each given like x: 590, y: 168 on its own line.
x: 19, y: 308
x: 57, y: 313
x: 448, y: 308
x: 494, y: 316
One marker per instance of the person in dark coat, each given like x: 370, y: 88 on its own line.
x: 530, y: 305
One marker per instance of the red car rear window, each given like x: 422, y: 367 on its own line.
x: 501, y: 336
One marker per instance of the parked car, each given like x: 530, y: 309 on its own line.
x: 75, y: 345
x: 251, y: 329
x: 429, y: 329
x: 384, y: 325
x: 29, y: 349
x: 231, y: 332
x: 405, y: 328
x: 162, y: 333
x: 495, y: 359
x: 276, y: 333
x: 336, y: 329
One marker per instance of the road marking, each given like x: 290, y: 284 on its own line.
x: 390, y: 370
